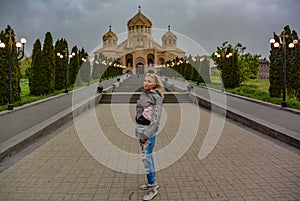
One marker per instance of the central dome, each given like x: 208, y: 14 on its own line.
x: 139, y: 20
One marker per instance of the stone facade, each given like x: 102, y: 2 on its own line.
x: 139, y: 53
x: 264, y: 67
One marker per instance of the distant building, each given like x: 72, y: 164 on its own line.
x: 264, y: 68
x: 139, y: 53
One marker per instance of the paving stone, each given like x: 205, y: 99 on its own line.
x: 243, y: 166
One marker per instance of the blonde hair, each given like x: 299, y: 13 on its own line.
x: 158, y: 84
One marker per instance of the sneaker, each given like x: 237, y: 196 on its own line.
x: 146, y: 187
x: 150, y: 194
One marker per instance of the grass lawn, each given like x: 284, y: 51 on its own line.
x: 26, y: 97
x: 257, y: 89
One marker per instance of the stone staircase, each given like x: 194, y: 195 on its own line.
x: 132, y: 97
x: 130, y: 91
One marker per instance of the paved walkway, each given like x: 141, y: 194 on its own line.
x: 24, y: 117
x: 277, y: 117
x: 244, y: 165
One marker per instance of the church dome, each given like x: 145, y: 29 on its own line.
x: 140, y: 20
x: 169, y: 39
x: 169, y: 35
x: 109, y: 35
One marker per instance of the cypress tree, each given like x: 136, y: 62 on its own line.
x: 176, y: 70
x: 187, y: 73
x: 290, y: 54
x: 99, y: 68
x: 229, y: 65
x: 16, y: 74
x: 84, y: 66
x: 48, y: 65
x: 85, y: 72
x: 96, y: 70
x: 231, y: 70
x: 3, y: 70
x: 275, y: 72
x: 204, y: 70
x: 292, y: 64
x: 74, y: 67
x: 35, y: 76
x: 60, y: 64
x: 297, y: 71
x: 196, y: 76
x: 195, y: 70
x: 82, y: 55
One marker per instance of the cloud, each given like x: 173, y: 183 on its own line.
x: 208, y: 22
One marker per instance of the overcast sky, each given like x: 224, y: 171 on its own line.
x: 206, y: 22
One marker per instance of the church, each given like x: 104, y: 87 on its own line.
x: 139, y: 53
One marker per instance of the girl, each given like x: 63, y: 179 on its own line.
x: 148, y: 113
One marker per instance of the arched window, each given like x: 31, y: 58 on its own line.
x: 129, y: 60
x: 161, y: 61
x: 150, y: 59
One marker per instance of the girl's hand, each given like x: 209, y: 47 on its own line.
x: 144, y: 141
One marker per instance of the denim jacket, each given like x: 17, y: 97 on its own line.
x: 148, y: 99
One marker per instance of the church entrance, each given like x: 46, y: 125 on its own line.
x: 140, y: 69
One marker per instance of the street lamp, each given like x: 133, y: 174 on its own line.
x: 223, y: 56
x: 276, y: 44
x: 20, y: 54
x: 66, y: 57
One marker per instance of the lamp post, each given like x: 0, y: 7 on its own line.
x: 223, y: 56
x: 283, y: 36
x: 66, y: 57
x: 19, y: 45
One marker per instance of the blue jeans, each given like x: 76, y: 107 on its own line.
x: 147, y: 146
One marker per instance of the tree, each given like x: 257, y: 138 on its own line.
x: 232, y: 71
x: 4, y: 63
x: 82, y: 55
x: 61, y: 65
x: 3, y: 71
x: 85, y: 71
x: 96, y: 70
x: 188, y: 70
x: 275, y: 71
x: 47, y: 66
x: 24, y: 67
x: 249, y: 66
x: 296, y: 85
x: 196, y: 74
x: 228, y: 65
x: 205, y: 69
x: 35, y: 72
x: 74, y: 67
x: 292, y: 66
